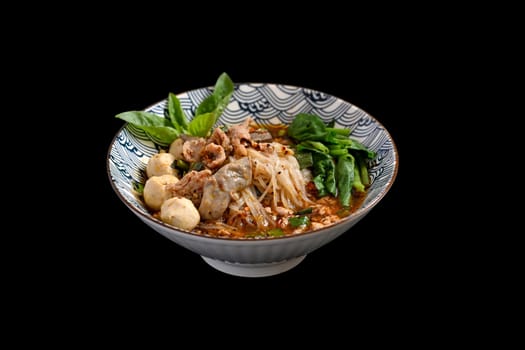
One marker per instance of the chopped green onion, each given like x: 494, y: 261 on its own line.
x: 299, y: 221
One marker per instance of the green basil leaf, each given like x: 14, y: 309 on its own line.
x: 141, y: 118
x: 162, y: 134
x: 177, y: 117
x: 221, y: 105
x: 201, y: 124
x: 158, y: 127
x: 208, y: 105
x: 212, y: 107
x: 223, y: 88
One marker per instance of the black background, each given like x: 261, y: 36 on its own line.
x: 376, y: 256
x: 100, y: 257
x: 83, y: 267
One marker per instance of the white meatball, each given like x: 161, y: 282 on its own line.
x: 155, y: 190
x: 176, y: 148
x: 180, y: 212
x: 160, y: 164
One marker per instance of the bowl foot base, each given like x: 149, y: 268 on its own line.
x: 254, y: 270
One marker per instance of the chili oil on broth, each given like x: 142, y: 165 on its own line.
x: 240, y: 224
x: 326, y: 211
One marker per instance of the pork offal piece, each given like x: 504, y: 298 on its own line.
x: 220, y: 138
x: 238, y: 134
x: 190, y: 186
x: 213, y: 155
x: 192, y: 148
x: 216, y: 196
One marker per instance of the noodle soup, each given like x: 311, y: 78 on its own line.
x: 247, y: 181
x: 219, y: 193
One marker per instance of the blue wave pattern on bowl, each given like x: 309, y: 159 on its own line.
x: 267, y: 104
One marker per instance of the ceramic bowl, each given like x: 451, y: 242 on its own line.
x: 266, y: 103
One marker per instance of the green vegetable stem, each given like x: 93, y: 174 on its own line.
x: 338, y: 162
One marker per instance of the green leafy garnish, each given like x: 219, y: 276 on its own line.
x: 345, y: 178
x: 167, y: 129
x: 307, y: 127
x: 338, y: 162
x: 138, y: 187
x: 210, y: 109
x: 304, y: 159
x: 308, y: 210
x: 177, y: 117
x: 201, y: 124
x: 158, y: 127
x: 297, y: 221
x: 275, y: 232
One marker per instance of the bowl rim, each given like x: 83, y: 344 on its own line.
x: 170, y: 228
